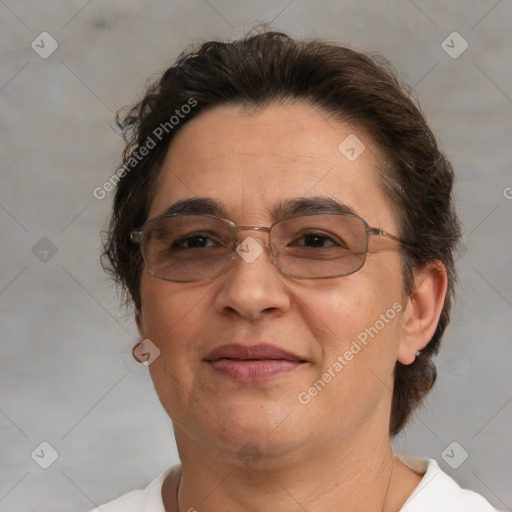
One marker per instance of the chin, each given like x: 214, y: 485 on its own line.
x: 271, y: 431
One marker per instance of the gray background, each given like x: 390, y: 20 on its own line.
x: 67, y: 376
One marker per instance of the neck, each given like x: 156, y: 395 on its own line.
x: 332, y: 478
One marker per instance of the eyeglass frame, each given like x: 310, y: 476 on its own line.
x: 136, y: 237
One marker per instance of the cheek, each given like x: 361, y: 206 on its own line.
x: 172, y: 316
x: 355, y: 328
x: 356, y: 318
x: 345, y: 306
x: 174, y: 319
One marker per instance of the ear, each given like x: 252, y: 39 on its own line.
x: 140, y: 323
x: 422, y: 311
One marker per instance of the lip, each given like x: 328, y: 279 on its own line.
x: 261, y: 351
x: 252, y: 363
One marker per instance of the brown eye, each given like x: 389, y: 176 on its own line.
x: 315, y: 240
x: 194, y: 241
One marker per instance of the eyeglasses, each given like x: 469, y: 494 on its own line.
x: 189, y: 248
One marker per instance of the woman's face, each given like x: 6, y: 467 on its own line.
x: 251, y: 163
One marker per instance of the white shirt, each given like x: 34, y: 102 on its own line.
x: 437, y: 492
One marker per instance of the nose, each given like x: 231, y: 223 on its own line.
x: 253, y: 286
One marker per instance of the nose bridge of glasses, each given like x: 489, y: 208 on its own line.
x: 254, y: 228
x: 247, y: 247
x: 261, y: 229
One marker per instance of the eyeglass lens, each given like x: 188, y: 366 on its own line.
x: 185, y: 248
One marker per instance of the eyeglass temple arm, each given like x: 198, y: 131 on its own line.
x: 381, y: 232
x: 136, y: 236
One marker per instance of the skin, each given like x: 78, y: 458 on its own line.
x: 335, y: 452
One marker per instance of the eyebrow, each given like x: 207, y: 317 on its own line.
x: 315, y: 204
x: 290, y: 207
x: 195, y: 205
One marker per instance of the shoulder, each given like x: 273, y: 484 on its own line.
x: 144, y: 500
x: 438, y: 492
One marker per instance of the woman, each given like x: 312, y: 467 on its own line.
x: 285, y: 228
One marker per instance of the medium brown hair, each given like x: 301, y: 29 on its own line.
x: 350, y: 86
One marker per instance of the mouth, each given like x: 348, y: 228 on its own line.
x: 252, y: 363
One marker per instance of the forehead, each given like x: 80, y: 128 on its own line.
x: 252, y: 161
